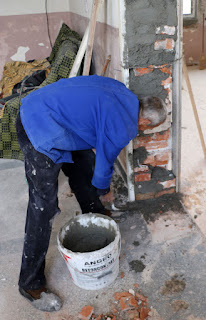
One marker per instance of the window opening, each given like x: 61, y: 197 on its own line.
x: 187, y: 7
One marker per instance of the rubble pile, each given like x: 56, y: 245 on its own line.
x: 129, y: 305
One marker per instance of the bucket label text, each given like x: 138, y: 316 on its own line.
x: 106, y: 265
x: 94, y: 262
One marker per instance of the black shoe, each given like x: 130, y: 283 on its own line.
x: 42, y: 299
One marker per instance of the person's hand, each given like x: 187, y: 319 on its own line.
x: 107, y: 198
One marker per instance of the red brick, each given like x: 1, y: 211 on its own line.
x: 140, y: 297
x: 86, y: 313
x: 141, y: 168
x: 144, y: 196
x: 167, y: 81
x: 170, y: 44
x: 156, y: 145
x: 142, y: 71
x: 142, y: 177
x: 168, y: 184
x: 166, y: 191
x: 124, y: 304
x: 150, y: 160
x: 158, y: 159
x: 162, y: 164
x: 151, y: 139
x: 162, y: 136
x: 166, y: 69
x: 165, y: 156
x: 128, y: 303
x: 141, y: 141
x: 133, y: 302
x: 166, y: 44
x: 144, y: 312
x: 119, y: 295
x: 144, y: 124
x: 153, y: 161
x: 167, y: 84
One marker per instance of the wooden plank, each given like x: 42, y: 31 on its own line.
x: 92, y: 26
x: 80, y: 54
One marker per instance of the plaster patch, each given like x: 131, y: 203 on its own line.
x: 166, y: 30
x: 20, y: 55
x: 166, y: 44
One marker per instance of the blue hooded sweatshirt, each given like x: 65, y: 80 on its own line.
x: 82, y: 113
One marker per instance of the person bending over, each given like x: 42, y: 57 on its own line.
x: 57, y: 128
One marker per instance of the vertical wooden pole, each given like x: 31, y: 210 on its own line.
x: 194, y: 106
x: 80, y: 55
x: 92, y: 26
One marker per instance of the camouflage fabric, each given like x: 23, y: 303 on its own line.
x: 61, y: 59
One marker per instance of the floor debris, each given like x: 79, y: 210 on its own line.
x: 130, y: 305
x: 86, y: 313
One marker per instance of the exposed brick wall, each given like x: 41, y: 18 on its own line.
x: 152, y: 156
x: 151, y: 37
x: 152, y: 147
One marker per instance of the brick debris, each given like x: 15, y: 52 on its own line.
x: 130, y: 305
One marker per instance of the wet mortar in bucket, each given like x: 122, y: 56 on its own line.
x: 90, y: 245
x: 92, y: 238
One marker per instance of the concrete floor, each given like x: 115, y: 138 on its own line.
x: 193, y: 164
x: 171, y: 249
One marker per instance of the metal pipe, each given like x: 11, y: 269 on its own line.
x: 177, y: 98
x: 125, y: 77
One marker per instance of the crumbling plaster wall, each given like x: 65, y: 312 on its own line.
x: 192, y: 35
x: 23, y: 29
x: 150, y: 49
x: 24, y: 34
x: 151, y: 33
x: 107, y: 41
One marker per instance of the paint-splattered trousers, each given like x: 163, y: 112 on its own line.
x: 42, y: 177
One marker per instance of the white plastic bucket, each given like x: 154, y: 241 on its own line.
x: 90, y: 245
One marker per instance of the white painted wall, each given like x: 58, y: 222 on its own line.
x: 109, y: 12
x: 22, y: 7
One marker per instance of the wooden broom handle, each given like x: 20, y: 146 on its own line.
x: 184, y: 67
x: 92, y: 26
x: 203, y: 34
x: 80, y: 55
